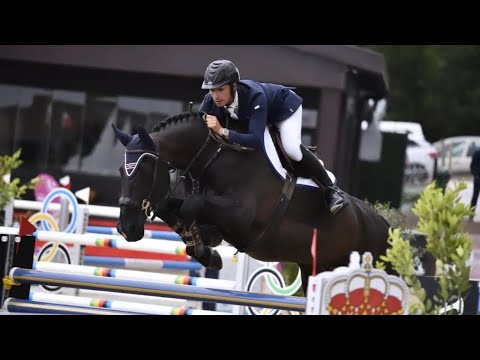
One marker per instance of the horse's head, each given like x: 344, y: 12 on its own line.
x: 145, y: 179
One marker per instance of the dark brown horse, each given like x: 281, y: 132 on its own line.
x: 239, y: 193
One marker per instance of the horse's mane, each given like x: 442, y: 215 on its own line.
x: 176, y: 118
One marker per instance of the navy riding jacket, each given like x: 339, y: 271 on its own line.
x: 259, y: 104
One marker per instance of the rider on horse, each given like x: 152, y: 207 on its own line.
x: 254, y: 105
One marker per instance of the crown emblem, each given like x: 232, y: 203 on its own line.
x: 364, y: 291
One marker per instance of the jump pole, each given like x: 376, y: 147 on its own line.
x: 29, y: 276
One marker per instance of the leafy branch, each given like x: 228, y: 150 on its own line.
x: 15, y: 189
x: 441, y: 217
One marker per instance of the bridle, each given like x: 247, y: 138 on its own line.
x: 159, y: 165
x: 148, y: 204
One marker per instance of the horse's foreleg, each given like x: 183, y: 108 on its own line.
x: 190, y: 210
x: 169, y: 212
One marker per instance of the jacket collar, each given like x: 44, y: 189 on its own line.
x: 242, y: 96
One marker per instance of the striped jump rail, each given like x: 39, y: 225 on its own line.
x: 118, y: 242
x: 29, y: 276
x: 118, y: 305
x: 14, y: 305
x: 153, y: 234
x: 134, y: 263
x: 132, y: 275
x: 109, y: 212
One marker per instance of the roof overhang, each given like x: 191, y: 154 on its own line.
x: 315, y: 66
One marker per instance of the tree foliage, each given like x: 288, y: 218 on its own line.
x: 14, y: 189
x: 435, y: 85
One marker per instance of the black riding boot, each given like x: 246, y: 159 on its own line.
x: 312, y: 165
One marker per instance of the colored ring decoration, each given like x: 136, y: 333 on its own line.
x: 50, y: 220
x: 69, y: 195
x: 282, y: 289
x: 63, y: 250
x: 46, y: 217
x: 256, y: 275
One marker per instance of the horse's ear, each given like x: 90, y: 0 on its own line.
x: 122, y: 136
x: 145, y: 137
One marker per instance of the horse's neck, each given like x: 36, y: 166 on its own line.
x: 179, y: 144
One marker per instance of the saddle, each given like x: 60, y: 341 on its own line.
x: 287, y: 163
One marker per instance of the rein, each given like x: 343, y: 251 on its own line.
x: 221, y: 145
x: 148, y: 205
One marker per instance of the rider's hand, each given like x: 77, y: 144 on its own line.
x: 212, y: 123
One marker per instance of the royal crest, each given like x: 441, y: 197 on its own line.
x: 360, y: 290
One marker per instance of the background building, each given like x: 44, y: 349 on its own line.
x: 57, y: 101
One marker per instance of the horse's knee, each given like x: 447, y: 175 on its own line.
x: 211, y: 235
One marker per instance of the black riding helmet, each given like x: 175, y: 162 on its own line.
x: 219, y: 73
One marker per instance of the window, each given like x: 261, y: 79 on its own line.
x: 458, y: 149
x: 66, y: 124
x: 309, y: 125
x: 9, y: 96
x: 33, y: 125
x: 455, y: 148
x: 99, y: 144
x: 471, y: 149
x: 70, y: 131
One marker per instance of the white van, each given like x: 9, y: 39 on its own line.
x: 414, y: 130
x: 455, y: 153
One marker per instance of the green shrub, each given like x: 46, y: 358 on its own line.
x: 14, y: 189
x: 440, y: 217
x: 394, y: 217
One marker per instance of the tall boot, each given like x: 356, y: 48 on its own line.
x: 313, y: 167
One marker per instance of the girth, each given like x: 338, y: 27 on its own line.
x: 282, y: 205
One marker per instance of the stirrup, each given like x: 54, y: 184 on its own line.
x: 337, y: 208
x: 334, y: 209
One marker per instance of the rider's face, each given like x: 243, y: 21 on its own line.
x: 222, y: 96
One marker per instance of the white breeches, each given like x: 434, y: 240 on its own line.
x: 291, y: 134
